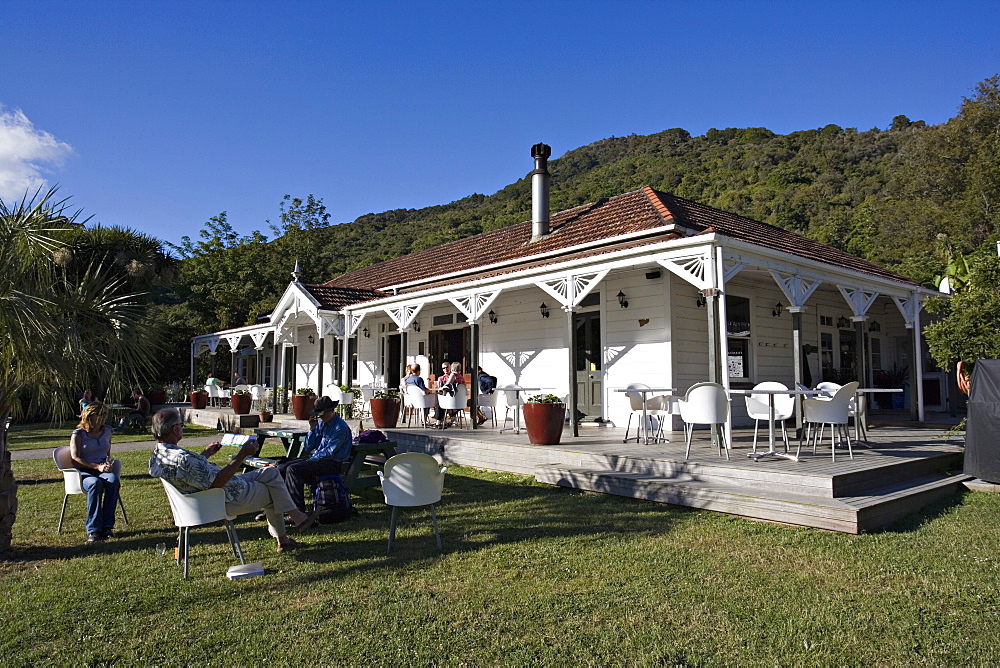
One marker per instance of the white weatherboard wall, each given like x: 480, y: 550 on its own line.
x: 637, y: 339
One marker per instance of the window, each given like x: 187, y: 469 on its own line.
x: 876, y: 353
x: 738, y: 337
x: 826, y: 353
x: 826, y: 321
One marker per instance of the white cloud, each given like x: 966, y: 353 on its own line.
x: 24, y: 150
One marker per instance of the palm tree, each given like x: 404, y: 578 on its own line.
x: 56, y: 326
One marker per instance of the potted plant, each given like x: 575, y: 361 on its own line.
x: 241, y: 401
x: 385, y: 408
x: 544, y: 415
x: 891, y: 378
x: 303, y: 402
x: 198, y: 399
x: 346, y: 401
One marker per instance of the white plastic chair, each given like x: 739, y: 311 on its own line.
x: 204, y: 507
x: 214, y: 395
x: 490, y: 401
x: 860, y: 430
x: 819, y: 412
x: 418, y: 403
x: 758, y: 407
x: 73, y: 481
x: 241, y: 386
x: 367, y: 394
x: 510, y: 394
x: 409, y: 480
x: 705, y: 403
x: 456, y: 402
x: 653, y: 406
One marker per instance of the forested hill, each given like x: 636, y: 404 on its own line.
x: 885, y: 195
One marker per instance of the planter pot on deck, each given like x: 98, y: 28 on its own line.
x: 385, y: 412
x: 301, y: 405
x: 198, y: 399
x: 545, y: 422
x: 241, y: 403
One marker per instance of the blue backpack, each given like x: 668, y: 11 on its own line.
x: 331, y: 500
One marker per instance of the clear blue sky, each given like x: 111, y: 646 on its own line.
x: 159, y: 115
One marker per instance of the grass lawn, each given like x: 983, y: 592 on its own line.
x: 47, y: 435
x: 530, y: 575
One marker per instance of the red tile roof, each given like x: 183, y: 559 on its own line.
x: 335, y: 298
x: 641, y: 210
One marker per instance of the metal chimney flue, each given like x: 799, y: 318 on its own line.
x: 540, y: 191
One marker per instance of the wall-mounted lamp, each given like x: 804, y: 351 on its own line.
x: 843, y: 323
x: 544, y: 310
x: 621, y: 299
x: 493, y: 317
x: 875, y: 326
x: 312, y: 339
x: 365, y: 333
x: 701, y: 301
x: 416, y: 326
x: 777, y: 310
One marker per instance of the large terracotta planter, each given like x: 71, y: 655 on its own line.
x: 385, y: 412
x: 302, y: 404
x: 198, y: 399
x: 241, y: 403
x: 545, y: 422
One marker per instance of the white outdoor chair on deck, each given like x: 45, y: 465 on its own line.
x: 829, y: 389
x: 758, y: 407
x: 819, y: 412
x: 490, y: 401
x: 510, y: 393
x: 456, y: 402
x: 705, y: 403
x: 418, y: 403
x: 653, y: 408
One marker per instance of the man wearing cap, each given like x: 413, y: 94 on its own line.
x: 328, y: 441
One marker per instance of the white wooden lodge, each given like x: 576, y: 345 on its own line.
x: 644, y: 287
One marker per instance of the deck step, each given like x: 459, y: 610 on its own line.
x: 814, y: 475
x: 878, y: 508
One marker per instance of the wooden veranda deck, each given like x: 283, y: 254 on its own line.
x: 904, y: 470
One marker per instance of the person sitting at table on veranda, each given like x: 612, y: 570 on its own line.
x: 238, y: 379
x: 328, y: 444
x: 90, y: 450
x: 448, y: 383
x: 413, y: 378
x: 261, y: 489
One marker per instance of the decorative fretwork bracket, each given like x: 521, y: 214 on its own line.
x: 796, y: 289
x: 569, y: 290
x: 474, y: 304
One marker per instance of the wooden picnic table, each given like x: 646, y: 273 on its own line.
x: 362, y: 454
x: 291, y: 438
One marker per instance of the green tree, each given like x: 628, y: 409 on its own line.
x: 970, y: 325
x: 58, y: 327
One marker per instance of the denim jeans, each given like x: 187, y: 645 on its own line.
x: 102, y: 497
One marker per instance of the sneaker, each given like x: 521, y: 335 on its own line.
x: 94, y: 537
x: 261, y: 517
x: 107, y: 533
